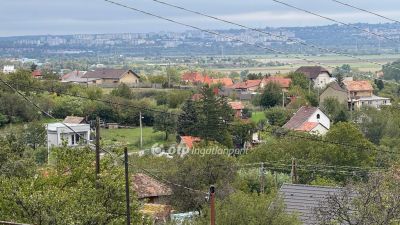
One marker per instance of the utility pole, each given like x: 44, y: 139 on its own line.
x: 212, y: 205
x: 128, y: 208
x: 97, y: 146
x: 283, y: 99
x: 141, y: 130
x: 262, y: 179
x: 295, y: 177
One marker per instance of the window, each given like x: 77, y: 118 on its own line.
x: 73, y: 139
x: 77, y: 138
x: 318, y: 116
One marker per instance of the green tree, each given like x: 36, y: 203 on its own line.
x: 271, y: 96
x: 165, y: 121
x: 391, y: 71
x: 251, y: 209
x: 299, y: 79
x: 242, y: 132
x: 335, y: 110
x: 35, y: 135
x: 188, y: 119
x: 122, y: 91
x: 277, y: 116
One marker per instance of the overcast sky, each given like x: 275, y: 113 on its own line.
x: 36, y: 17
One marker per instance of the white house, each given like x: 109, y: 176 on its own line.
x: 317, y: 74
x: 71, y: 135
x: 309, y: 119
x: 8, y: 69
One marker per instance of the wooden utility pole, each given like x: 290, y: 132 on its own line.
x: 295, y: 177
x: 97, y: 146
x: 262, y: 178
x: 141, y: 130
x: 212, y: 205
x: 128, y: 208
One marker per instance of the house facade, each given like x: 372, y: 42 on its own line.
x: 319, y: 76
x: 309, y: 119
x: 283, y: 82
x: 70, y: 134
x: 195, y: 78
x: 237, y: 108
x: 334, y: 91
x: 7, y: 69
x: 360, y: 94
x: 112, y: 76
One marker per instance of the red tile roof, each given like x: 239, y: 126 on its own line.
x: 301, y: 117
x: 37, y: 73
x: 196, y: 77
x: 307, y: 126
x: 246, y: 84
x: 312, y: 72
x: 190, y: 140
x: 283, y: 82
x: 226, y: 81
x: 358, y: 85
x: 236, y: 105
x: 146, y: 186
x: 74, y: 120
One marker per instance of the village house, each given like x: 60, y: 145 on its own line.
x: 237, y: 108
x: 246, y: 86
x: 37, y: 74
x: 76, y: 77
x: 195, y: 78
x: 333, y: 90
x: 112, y: 76
x: 7, y: 69
x: 309, y: 119
x: 304, y: 200
x: 150, y: 190
x: 222, y: 81
x: 283, y: 82
x: 71, y: 134
x: 360, y: 94
x: 319, y: 76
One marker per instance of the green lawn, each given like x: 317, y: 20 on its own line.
x: 131, y: 137
x: 257, y: 116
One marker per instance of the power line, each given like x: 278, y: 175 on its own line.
x: 271, y: 34
x: 216, y: 33
x: 336, y: 21
x: 367, y: 11
x: 108, y: 152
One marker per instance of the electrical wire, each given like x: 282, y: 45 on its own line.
x: 337, y: 21
x: 367, y: 11
x: 271, y: 34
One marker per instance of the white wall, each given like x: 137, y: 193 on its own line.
x: 324, y: 120
x: 322, y: 80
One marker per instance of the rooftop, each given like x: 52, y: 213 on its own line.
x: 146, y: 186
x: 104, y: 73
x: 282, y: 81
x: 55, y: 126
x: 300, y: 117
x: 312, y: 72
x: 358, y: 85
x: 236, y: 105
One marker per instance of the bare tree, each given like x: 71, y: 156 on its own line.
x: 374, y: 202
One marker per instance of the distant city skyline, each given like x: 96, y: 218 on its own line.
x: 41, y: 17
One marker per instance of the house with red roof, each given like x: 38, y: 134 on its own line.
x: 226, y: 81
x: 246, y: 86
x: 309, y: 119
x: 237, y: 108
x: 195, y: 78
x: 189, y: 141
x: 360, y: 94
x: 283, y: 82
x: 37, y: 74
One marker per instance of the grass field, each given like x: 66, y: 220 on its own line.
x: 257, y: 116
x: 131, y: 137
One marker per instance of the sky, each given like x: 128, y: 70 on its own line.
x: 56, y: 17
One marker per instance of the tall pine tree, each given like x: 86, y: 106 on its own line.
x: 188, y: 120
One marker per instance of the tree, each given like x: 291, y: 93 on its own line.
x: 254, y: 76
x: 201, y: 171
x: 277, y: 116
x: 214, y: 114
x: 122, y: 91
x: 376, y: 201
x: 271, y: 96
x: 379, y: 84
x: 391, y: 71
x: 242, y: 132
x: 165, y: 121
x: 340, y: 79
x: 335, y: 110
x: 251, y: 209
x: 35, y: 135
x: 68, y: 193
x: 188, y: 119
x: 299, y: 79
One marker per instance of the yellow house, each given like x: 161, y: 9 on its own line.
x: 112, y: 76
